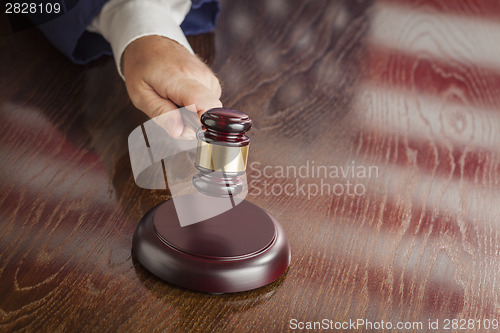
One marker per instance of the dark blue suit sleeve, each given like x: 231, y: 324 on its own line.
x: 69, y: 35
x: 201, y: 18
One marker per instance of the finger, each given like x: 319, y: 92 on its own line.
x: 162, y: 111
x: 189, y: 91
x: 146, y: 99
x: 215, y: 86
x: 208, y: 78
x: 210, y: 81
x: 187, y: 134
x: 171, y: 122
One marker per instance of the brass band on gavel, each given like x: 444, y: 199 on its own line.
x: 225, y: 158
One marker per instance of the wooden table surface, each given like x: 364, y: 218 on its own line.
x: 393, y: 105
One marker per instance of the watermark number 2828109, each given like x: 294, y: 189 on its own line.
x: 35, y: 7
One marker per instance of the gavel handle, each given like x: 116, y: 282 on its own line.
x: 228, y: 189
x: 190, y: 119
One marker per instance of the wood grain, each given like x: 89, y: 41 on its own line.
x: 410, y: 88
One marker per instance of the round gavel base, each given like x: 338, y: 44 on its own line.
x: 241, y: 249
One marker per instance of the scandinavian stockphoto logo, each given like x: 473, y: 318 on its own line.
x: 309, y: 179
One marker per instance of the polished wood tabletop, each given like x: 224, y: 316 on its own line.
x: 376, y: 145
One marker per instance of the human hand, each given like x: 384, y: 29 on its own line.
x: 161, y: 75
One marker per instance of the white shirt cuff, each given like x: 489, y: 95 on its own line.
x: 121, y: 22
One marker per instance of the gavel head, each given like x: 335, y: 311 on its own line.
x: 226, y: 127
x: 222, y: 152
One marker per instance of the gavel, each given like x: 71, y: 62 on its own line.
x: 222, y: 152
x: 240, y: 249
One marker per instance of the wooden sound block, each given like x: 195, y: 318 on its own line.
x: 241, y: 249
